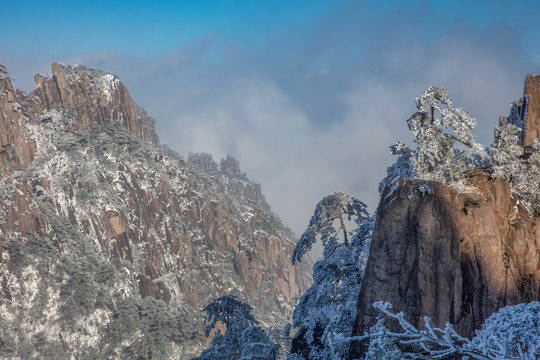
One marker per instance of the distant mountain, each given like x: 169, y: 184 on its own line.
x: 110, y: 244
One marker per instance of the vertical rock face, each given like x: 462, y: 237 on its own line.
x: 455, y: 257
x: 16, y: 146
x: 532, y: 99
x: 525, y: 112
x: 114, y: 242
x: 95, y: 96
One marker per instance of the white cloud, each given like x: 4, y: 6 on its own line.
x: 306, y: 118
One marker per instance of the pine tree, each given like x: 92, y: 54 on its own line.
x: 511, y: 333
x: 437, y: 127
x: 329, y: 306
x: 243, y: 338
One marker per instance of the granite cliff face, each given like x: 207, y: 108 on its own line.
x: 111, y: 243
x: 454, y: 256
x: 531, y: 113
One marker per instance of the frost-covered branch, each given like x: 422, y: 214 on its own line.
x: 436, y: 343
x: 435, y: 157
x: 513, y: 333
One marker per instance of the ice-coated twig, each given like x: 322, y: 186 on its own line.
x: 435, y: 346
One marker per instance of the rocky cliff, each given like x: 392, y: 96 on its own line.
x: 110, y: 243
x: 455, y: 256
x: 531, y: 113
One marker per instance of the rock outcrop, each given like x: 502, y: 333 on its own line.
x: 455, y: 257
x: 531, y: 96
x: 17, y: 149
x: 110, y: 244
x: 95, y: 96
x: 525, y: 112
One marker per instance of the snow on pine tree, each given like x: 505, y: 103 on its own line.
x: 531, y: 187
x: 519, y: 165
x: 435, y: 157
x: 243, y: 338
x: 381, y: 345
x: 437, y: 127
x: 328, y: 307
x: 512, y: 333
x: 506, y: 153
x: 402, y: 169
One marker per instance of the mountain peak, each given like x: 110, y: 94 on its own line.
x: 105, y: 233
x: 95, y: 96
x: 92, y: 95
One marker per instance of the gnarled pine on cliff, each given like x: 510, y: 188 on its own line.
x: 459, y: 248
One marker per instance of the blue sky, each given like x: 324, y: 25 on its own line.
x: 307, y: 95
x: 146, y: 28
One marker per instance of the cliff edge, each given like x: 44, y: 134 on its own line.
x: 455, y: 256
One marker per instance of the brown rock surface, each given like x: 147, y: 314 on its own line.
x: 95, y: 96
x: 455, y: 257
x: 86, y: 188
x: 16, y: 146
x: 532, y: 95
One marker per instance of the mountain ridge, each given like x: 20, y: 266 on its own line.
x: 109, y: 233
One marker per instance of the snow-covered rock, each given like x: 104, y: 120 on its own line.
x: 110, y: 244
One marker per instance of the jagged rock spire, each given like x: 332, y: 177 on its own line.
x: 95, y: 96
